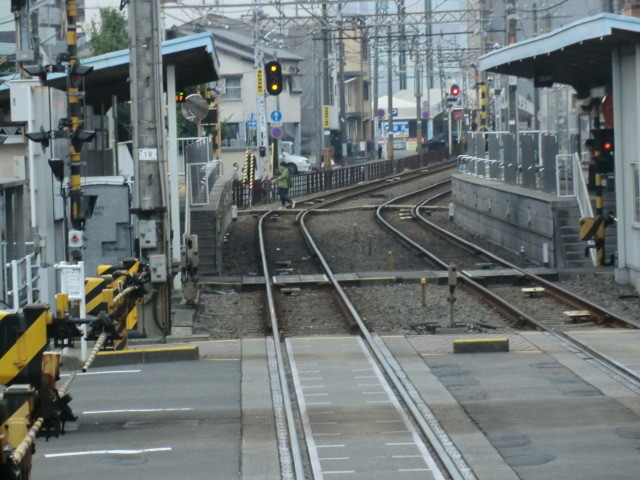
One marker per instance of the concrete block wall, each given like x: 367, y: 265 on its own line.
x: 519, y: 219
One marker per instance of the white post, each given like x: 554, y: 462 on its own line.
x: 29, y: 276
x: 174, y: 200
x: 83, y: 314
x: 15, y: 288
x: 449, y: 128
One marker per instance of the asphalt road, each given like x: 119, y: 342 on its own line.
x: 151, y: 421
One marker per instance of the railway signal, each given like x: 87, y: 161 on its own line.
x: 455, y: 90
x: 273, y: 75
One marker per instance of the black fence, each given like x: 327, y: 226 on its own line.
x: 263, y: 192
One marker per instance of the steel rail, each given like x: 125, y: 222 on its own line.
x: 348, y: 193
x: 291, y: 423
x: 503, y: 306
x: 556, y: 291
x: 454, y: 467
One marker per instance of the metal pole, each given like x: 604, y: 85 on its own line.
x: 147, y: 115
x: 418, y: 88
x: 174, y: 188
x: 389, y: 97
x: 343, y: 104
x: 262, y: 167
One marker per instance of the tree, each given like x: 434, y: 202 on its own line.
x: 110, y: 33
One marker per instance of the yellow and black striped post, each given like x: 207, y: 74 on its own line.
x: 23, y: 340
x: 483, y: 106
x: 74, y: 112
x: 593, y: 229
x: 19, y: 404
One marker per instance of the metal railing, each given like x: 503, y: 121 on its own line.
x: 201, y: 177
x: 481, y: 167
x: 260, y: 192
x: 21, y: 281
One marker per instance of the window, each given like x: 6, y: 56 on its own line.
x: 635, y: 169
x: 366, y: 86
x: 232, y: 89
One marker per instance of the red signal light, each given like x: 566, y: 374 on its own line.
x: 455, y: 90
x: 608, y: 145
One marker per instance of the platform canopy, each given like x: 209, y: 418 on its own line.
x: 194, y: 56
x: 578, y: 54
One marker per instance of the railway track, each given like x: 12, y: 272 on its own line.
x: 347, y: 392
x: 531, y: 301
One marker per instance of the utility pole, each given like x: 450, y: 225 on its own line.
x: 326, y: 92
x: 418, y: 92
x: 428, y: 61
x: 376, y: 65
x: 262, y: 167
x: 147, y: 118
x: 512, y: 22
x: 389, y: 97
x: 536, y: 90
x: 402, y: 58
x: 24, y: 53
x: 343, y: 106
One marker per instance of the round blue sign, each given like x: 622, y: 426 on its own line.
x: 276, y: 132
x: 381, y: 112
x: 425, y: 114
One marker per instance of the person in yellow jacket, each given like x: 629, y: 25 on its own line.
x: 284, y: 184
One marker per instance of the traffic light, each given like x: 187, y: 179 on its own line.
x: 603, y: 141
x: 273, y: 74
x: 77, y: 72
x: 455, y: 90
x: 17, y: 5
x: 79, y: 137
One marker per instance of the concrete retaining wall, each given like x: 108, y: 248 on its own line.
x: 519, y: 219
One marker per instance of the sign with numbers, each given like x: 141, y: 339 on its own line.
x: 147, y: 154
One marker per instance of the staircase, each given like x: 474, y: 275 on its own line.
x: 203, y: 225
x: 571, y: 247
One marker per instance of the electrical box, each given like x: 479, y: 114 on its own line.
x: 148, y: 237
x: 158, y: 268
x: 20, y: 91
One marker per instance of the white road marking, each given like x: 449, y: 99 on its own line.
x: 334, y: 458
x: 108, y: 452
x: 338, y: 445
x: 108, y: 372
x: 136, y: 410
x: 337, y: 472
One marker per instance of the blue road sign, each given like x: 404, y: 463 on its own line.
x: 252, y: 123
x: 381, y: 112
x: 276, y: 116
x: 276, y: 132
x: 394, y: 112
